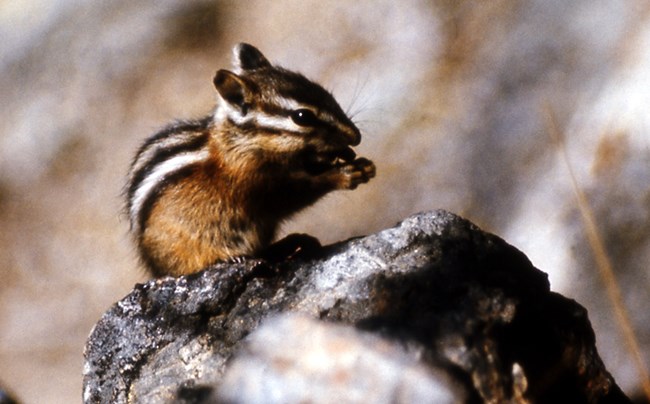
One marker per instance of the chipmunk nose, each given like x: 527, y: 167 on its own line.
x: 353, y: 135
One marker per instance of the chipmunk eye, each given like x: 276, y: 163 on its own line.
x: 304, y: 117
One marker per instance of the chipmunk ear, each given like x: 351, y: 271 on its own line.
x: 232, y: 89
x: 248, y: 57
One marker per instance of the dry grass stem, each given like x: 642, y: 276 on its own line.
x: 603, y: 263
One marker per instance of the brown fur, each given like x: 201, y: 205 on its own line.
x: 228, y: 210
x: 232, y: 204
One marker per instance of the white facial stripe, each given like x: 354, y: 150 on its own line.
x: 260, y: 119
x: 224, y: 111
x: 158, y: 174
x: 276, y: 122
x: 289, y: 104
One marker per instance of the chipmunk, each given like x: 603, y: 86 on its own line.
x: 217, y: 188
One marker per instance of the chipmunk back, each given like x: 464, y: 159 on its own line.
x: 218, y: 188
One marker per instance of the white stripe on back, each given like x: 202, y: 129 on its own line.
x: 158, y: 174
x: 175, y: 139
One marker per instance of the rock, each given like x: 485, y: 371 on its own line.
x: 295, y: 359
x: 433, y: 310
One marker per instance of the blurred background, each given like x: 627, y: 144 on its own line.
x: 456, y: 100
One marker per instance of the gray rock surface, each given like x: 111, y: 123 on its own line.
x: 433, y: 309
x: 322, y: 362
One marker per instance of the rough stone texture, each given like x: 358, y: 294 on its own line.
x: 433, y: 293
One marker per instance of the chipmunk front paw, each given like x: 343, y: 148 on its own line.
x: 292, y: 246
x: 356, y: 172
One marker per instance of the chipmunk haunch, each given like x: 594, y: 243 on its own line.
x: 217, y: 188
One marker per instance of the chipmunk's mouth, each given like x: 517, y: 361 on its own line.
x: 318, y: 163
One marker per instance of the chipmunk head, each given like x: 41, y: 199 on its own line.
x: 283, y: 113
